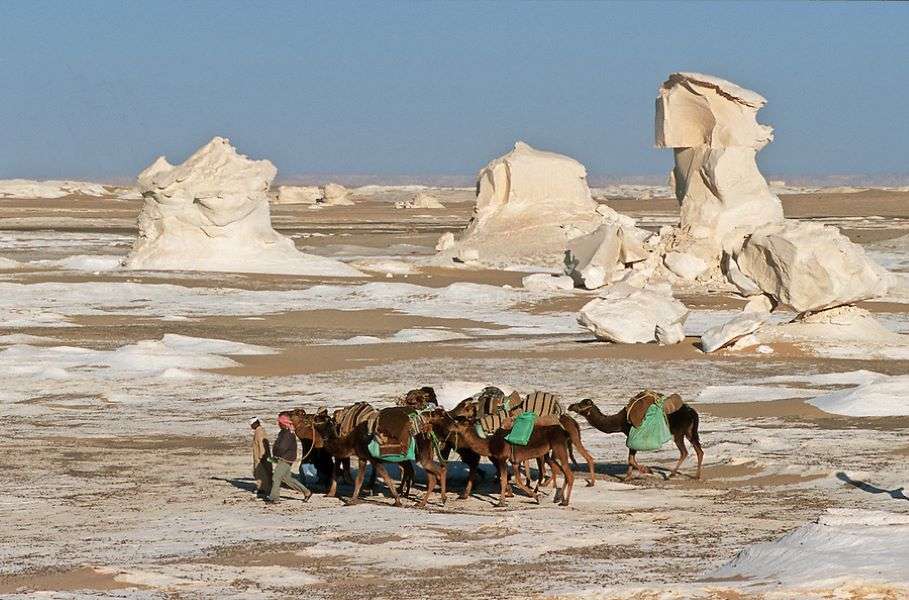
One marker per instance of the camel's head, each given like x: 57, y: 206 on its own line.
x: 460, y: 425
x: 466, y: 408
x: 583, y: 407
x: 323, y: 424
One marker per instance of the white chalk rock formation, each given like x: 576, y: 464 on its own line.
x: 28, y: 188
x: 297, y: 194
x: 211, y: 214
x: 530, y: 203
x: 335, y: 194
x: 631, y: 315
x: 687, y: 266
x: 809, y: 266
x: 594, y: 260
x: 712, y: 125
x: 420, y: 200
x: 544, y: 282
x: 739, y: 326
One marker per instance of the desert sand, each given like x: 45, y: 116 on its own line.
x: 126, y: 468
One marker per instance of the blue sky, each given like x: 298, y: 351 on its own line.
x: 98, y: 89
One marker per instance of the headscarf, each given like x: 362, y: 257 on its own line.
x: 255, y: 420
x: 284, y: 421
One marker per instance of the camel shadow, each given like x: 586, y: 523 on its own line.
x: 896, y: 494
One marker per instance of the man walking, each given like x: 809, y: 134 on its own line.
x: 261, y: 453
x: 284, y: 454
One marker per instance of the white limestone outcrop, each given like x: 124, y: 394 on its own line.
x: 596, y: 259
x: 420, y: 200
x: 712, y: 126
x: 726, y: 333
x: 335, y: 194
x: 530, y: 203
x: 297, y: 194
x: 809, y: 266
x: 211, y: 213
x: 630, y: 315
x: 29, y: 188
x: 544, y: 282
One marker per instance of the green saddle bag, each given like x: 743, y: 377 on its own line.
x: 653, y: 432
x: 376, y: 452
x: 522, y: 429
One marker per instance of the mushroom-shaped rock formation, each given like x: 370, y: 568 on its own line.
x: 211, y: 214
x: 712, y: 125
x: 529, y: 204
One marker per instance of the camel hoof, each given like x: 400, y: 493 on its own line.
x: 462, y: 496
x: 353, y: 501
x: 538, y: 498
x: 563, y: 503
x: 591, y: 483
x: 398, y: 504
x: 501, y: 504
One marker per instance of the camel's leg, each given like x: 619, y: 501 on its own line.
x: 632, y: 465
x: 443, y: 483
x: 503, y: 480
x: 560, y: 457
x: 632, y: 459
x: 555, y: 480
x: 333, y: 483
x: 361, y: 474
x: 520, y: 483
x: 372, y: 481
x: 695, y: 440
x: 376, y: 465
x: 407, y: 477
x: 345, y: 465
x: 434, y: 473
x: 575, y: 435
x: 683, y: 453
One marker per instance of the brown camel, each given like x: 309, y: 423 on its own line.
x: 468, y: 408
x: 313, y: 452
x: 549, y: 443
x: 683, y: 424
x: 356, y: 442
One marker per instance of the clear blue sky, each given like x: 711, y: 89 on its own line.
x: 98, y: 89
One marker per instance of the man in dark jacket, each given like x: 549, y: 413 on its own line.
x: 284, y: 455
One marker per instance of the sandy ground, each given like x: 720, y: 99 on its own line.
x: 126, y: 470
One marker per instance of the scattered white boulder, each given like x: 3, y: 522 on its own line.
x: 887, y: 397
x: 297, y: 194
x: 211, y: 213
x: 687, y: 266
x: 759, y: 304
x: 29, y: 188
x: 544, y: 282
x: 595, y: 259
x: 530, y: 203
x: 739, y: 326
x: 712, y: 125
x: 842, y: 332
x: 420, y: 200
x: 446, y: 241
x: 809, y: 266
x: 335, y: 194
x: 630, y: 315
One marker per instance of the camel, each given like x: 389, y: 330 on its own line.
x: 468, y: 408
x: 313, y: 452
x: 549, y: 443
x: 683, y: 424
x: 356, y: 442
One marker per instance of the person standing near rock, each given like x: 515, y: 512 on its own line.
x: 261, y: 453
x: 284, y: 455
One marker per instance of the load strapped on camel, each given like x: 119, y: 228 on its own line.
x: 647, y: 414
x: 518, y: 414
x: 394, y: 430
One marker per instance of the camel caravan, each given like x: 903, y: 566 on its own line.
x: 514, y: 432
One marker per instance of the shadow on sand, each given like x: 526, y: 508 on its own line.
x: 896, y: 494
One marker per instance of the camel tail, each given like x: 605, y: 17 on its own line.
x: 571, y: 453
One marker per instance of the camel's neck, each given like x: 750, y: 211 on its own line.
x: 470, y: 439
x: 607, y: 423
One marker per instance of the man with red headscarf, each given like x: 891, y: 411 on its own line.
x: 284, y: 455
